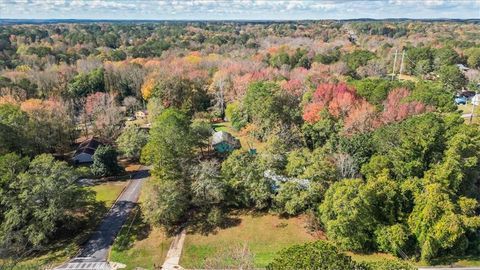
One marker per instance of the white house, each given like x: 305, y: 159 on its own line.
x: 85, y: 151
x: 462, y: 67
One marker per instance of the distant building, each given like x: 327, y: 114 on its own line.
x: 462, y: 67
x: 277, y: 180
x: 141, y: 114
x: 224, y: 142
x: 86, y: 150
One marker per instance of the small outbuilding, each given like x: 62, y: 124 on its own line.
x: 462, y: 67
x: 224, y: 142
x: 86, y: 150
x: 141, y: 114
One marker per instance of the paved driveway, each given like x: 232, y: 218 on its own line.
x: 94, y: 253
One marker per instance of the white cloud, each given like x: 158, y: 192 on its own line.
x: 239, y: 9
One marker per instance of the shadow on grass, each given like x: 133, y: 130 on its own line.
x: 208, y: 222
x: 219, y: 127
x: 203, y: 222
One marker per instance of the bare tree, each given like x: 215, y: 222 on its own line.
x: 346, y: 165
x: 131, y: 104
x: 87, y: 65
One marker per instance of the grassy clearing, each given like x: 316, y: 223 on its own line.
x: 407, y: 78
x: 468, y: 109
x: 108, y: 192
x: 245, y: 140
x: 264, y: 235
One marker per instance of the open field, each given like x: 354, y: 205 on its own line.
x: 264, y: 235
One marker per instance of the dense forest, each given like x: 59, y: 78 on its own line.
x: 350, y: 123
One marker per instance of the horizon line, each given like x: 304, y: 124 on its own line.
x: 244, y: 20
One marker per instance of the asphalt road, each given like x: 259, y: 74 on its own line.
x: 94, y: 253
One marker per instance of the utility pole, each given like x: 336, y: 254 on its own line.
x: 394, y: 64
x: 475, y: 100
x: 401, y: 65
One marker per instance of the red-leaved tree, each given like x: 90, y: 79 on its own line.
x: 398, y: 108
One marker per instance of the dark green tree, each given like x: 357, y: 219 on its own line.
x: 268, y: 107
x: 445, y: 57
x: 473, y: 57
x: 452, y: 78
x: 357, y: 59
x: 170, y: 146
x: 248, y: 186
x: 105, y: 162
x: 170, y: 151
x: 167, y: 204
x: 87, y: 83
x: 38, y: 203
x: 131, y: 141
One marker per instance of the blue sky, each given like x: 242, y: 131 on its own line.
x: 238, y: 9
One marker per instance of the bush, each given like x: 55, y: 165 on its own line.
x: 393, y: 239
x: 322, y: 255
x: 315, y: 255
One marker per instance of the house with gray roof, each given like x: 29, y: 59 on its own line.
x: 224, y: 142
x: 86, y: 150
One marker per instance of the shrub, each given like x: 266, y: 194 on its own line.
x: 315, y: 255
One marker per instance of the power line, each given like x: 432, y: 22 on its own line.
x: 394, y: 64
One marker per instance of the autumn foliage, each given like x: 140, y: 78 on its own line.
x: 397, y: 108
x: 342, y: 102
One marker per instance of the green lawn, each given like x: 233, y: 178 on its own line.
x: 468, y: 109
x: 144, y: 252
x: 108, y: 192
x: 264, y: 235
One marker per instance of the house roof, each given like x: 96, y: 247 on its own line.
x: 222, y: 136
x: 462, y: 67
x: 88, y: 146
